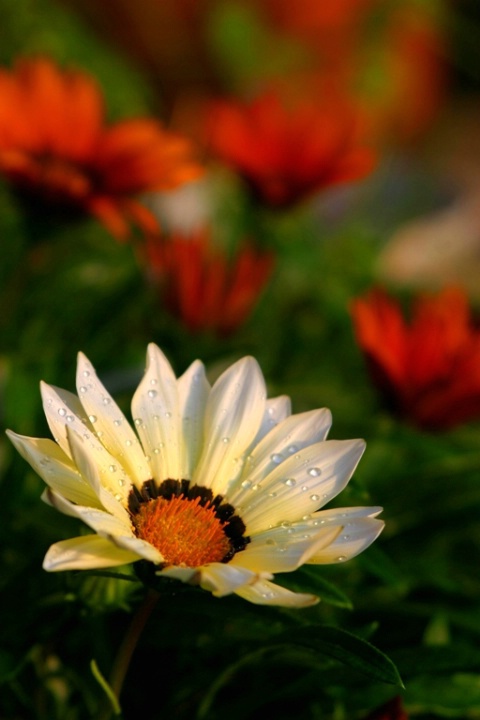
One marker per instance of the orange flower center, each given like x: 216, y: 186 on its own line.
x: 184, y: 531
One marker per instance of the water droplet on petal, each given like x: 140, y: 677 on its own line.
x: 121, y: 482
x: 168, y: 414
x: 314, y: 472
x: 285, y: 524
x: 118, y: 496
x: 341, y: 558
x: 86, y: 373
x: 315, y: 498
x: 153, y: 381
x: 290, y: 482
x: 117, y: 423
x: 128, y: 443
x: 92, y: 418
x: 69, y: 418
x: 106, y: 400
x: 304, y: 488
x: 82, y: 389
x: 62, y: 412
x: 292, y: 449
x: 152, y: 393
x: 246, y: 484
x: 226, y: 440
x: 276, y: 458
x: 112, y: 468
x: 138, y: 421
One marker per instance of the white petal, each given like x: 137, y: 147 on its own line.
x: 218, y: 578
x: 302, y: 484
x: 91, y: 461
x: 102, y: 522
x: 286, y: 439
x: 107, y: 418
x: 62, y: 409
x: 55, y: 468
x: 264, y: 592
x: 141, y: 548
x: 276, y: 410
x: 355, y: 537
x: 85, y: 553
x: 155, y: 409
x: 235, y: 409
x: 276, y: 551
x: 193, y: 390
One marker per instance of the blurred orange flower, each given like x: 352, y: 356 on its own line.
x: 392, y: 710
x: 202, y: 286
x: 287, y: 153
x: 429, y: 369
x: 55, y: 145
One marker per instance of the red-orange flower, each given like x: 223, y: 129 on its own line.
x: 54, y: 144
x: 428, y: 369
x: 287, y: 153
x: 392, y: 710
x: 202, y: 286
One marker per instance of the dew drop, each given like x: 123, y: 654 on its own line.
x: 276, y: 458
x: 117, y: 423
x: 256, y: 486
x: 246, y: 484
x: 156, y: 451
x: 69, y: 418
x: 345, y: 537
x: 82, y: 389
x: 118, y: 496
x: 271, y: 411
x: 292, y: 449
x: 272, y: 494
x: 226, y: 440
x: 86, y: 373
x: 112, y: 468
x: 106, y: 400
x: 138, y: 421
x: 314, y: 472
x: 121, y: 482
x: 285, y: 524
x: 153, y: 381
x: 152, y: 393
x: 92, y: 418
x: 128, y: 443
x: 341, y: 558
x: 290, y: 482
x: 270, y: 541
x: 62, y: 412
x: 315, y: 498
x: 304, y: 488
x: 168, y: 414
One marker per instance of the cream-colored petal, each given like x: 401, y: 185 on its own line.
x: 355, y: 537
x: 235, y: 408
x: 85, y: 553
x: 278, y: 552
x: 110, y: 423
x: 193, y: 391
x: 102, y: 522
x: 301, y: 484
x: 222, y: 579
x: 218, y: 578
x: 63, y: 409
x: 263, y: 592
x: 142, y: 549
x: 55, y: 468
x: 156, y: 413
x: 276, y: 410
x: 286, y: 439
x: 98, y: 468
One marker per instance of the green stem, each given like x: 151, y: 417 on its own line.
x: 128, y: 645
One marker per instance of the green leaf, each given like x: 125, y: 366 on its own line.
x: 348, y: 649
x: 112, y: 698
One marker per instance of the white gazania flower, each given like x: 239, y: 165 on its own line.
x: 221, y: 488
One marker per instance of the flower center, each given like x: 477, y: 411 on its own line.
x: 186, y: 524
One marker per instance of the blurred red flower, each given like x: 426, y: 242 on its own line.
x: 287, y: 153
x: 202, y: 286
x: 429, y: 369
x: 392, y: 710
x: 55, y: 145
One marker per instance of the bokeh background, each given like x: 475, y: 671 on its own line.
x: 330, y: 148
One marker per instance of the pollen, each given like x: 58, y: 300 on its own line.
x: 186, y: 532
